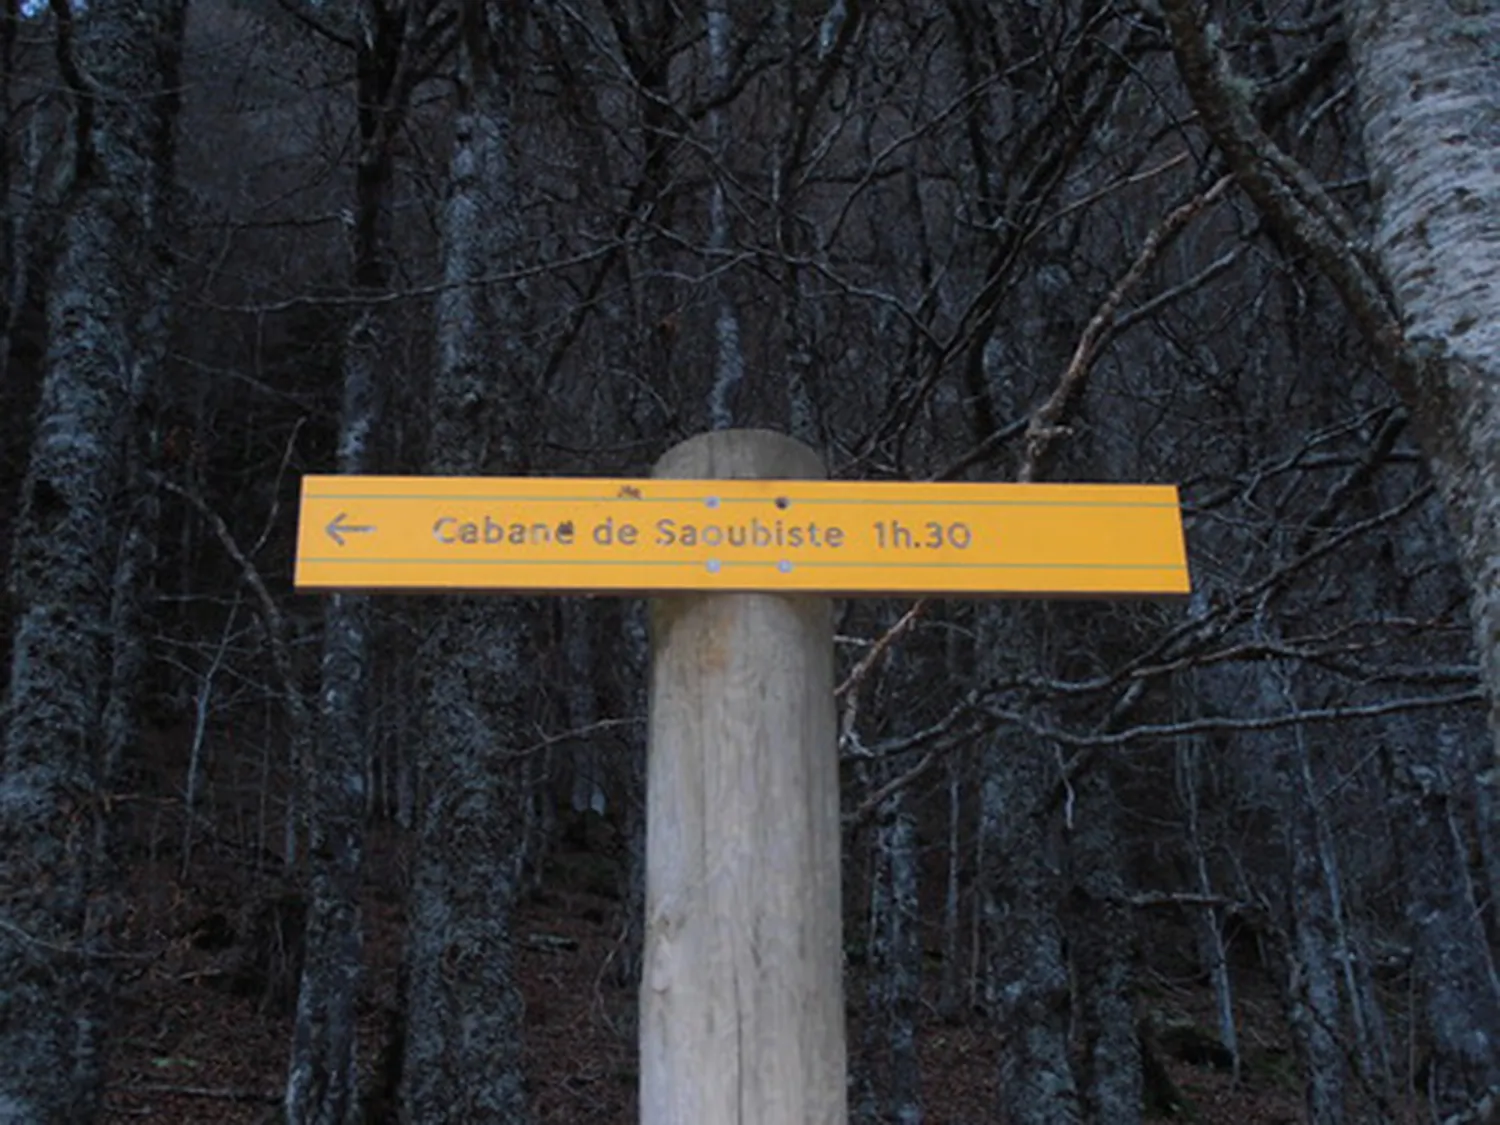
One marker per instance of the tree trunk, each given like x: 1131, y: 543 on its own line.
x: 1312, y: 987
x: 894, y: 970
x: 1476, y: 756
x: 798, y: 315
x: 1028, y: 985
x: 1426, y: 300
x: 585, y: 781
x: 1429, y: 95
x: 1369, y: 1051
x: 635, y: 638
x: 1101, y: 937
x: 1428, y: 77
x: 463, y: 1036
x: 1208, y: 922
x: 1456, y: 974
x: 463, y: 1025
x: 104, y: 326
x: 323, y: 1080
x: 729, y: 356
x: 12, y: 256
x: 951, y: 990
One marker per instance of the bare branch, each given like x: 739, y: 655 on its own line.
x: 304, y: 15
x: 1109, y: 740
x: 1048, y: 423
x: 1287, y: 194
x: 275, y: 620
x: 878, y: 649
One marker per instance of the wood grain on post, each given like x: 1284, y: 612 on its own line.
x: 742, y: 999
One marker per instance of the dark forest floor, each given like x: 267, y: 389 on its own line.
x: 202, y: 1028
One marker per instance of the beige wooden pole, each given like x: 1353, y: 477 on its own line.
x: 742, y: 998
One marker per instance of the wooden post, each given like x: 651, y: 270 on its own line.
x: 742, y: 996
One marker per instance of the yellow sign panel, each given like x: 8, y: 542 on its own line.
x: 836, y: 537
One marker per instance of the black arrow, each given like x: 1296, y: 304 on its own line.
x: 337, y: 528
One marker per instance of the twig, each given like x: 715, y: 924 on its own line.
x: 549, y: 740
x: 1184, y: 898
x: 877, y: 798
x: 1288, y: 196
x: 411, y: 293
x: 271, y: 516
x: 72, y: 949
x: 219, y: 1093
x: 848, y: 691
x: 932, y: 733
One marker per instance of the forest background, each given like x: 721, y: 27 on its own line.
x: 1248, y: 247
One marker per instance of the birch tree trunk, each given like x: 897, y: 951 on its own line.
x: 1425, y: 297
x: 1428, y: 76
x: 463, y: 1041
x: 103, y: 310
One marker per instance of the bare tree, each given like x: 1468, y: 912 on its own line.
x: 1423, y: 305
x: 946, y: 239
x: 1421, y: 293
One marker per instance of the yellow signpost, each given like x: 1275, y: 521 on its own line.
x: 743, y: 918
x: 563, y: 535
